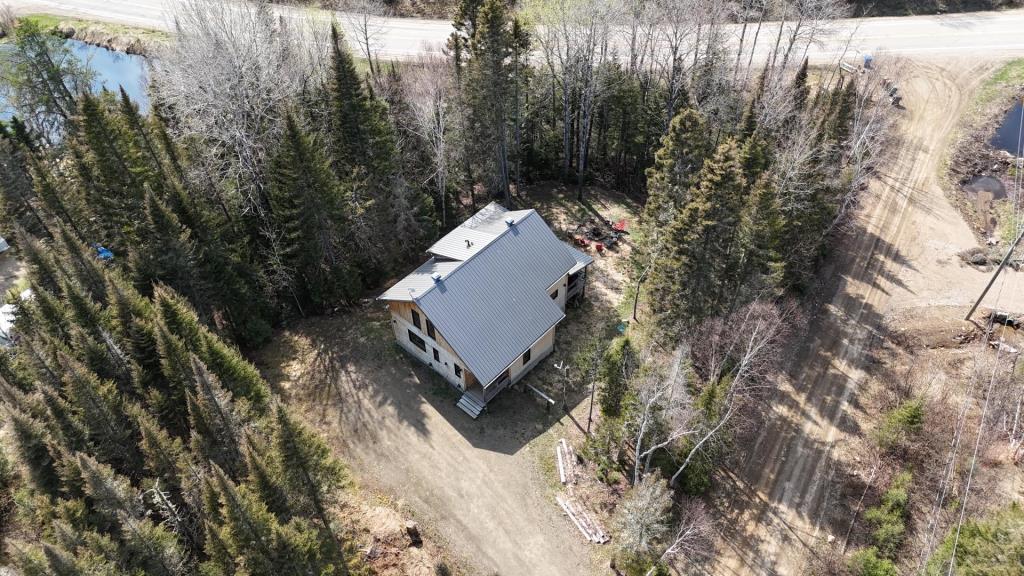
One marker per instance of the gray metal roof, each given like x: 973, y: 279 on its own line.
x: 419, y: 280
x: 496, y: 304
x: 476, y: 233
x: 582, y: 260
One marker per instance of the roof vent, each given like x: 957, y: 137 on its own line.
x: 436, y: 277
x: 510, y: 222
x: 468, y: 244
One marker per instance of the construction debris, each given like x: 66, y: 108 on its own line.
x: 586, y: 525
x: 566, y: 458
x: 566, y: 462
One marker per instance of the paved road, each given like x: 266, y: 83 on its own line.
x: 979, y: 34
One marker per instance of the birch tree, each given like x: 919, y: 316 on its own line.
x: 738, y: 355
x: 430, y: 93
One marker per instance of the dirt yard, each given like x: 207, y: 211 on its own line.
x: 484, y: 489
x: 779, y: 500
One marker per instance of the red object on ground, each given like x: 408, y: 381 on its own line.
x: 583, y: 242
x: 600, y: 248
x: 620, y: 226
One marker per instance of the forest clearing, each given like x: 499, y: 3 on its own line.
x: 276, y: 282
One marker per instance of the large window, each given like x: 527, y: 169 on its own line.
x: 554, y: 295
x: 526, y: 358
x: 416, y: 320
x: 430, y: 329
x: 437, y: 357
x: 417, y: 341
x: 458, y: 371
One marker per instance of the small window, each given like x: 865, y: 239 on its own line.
x: 416, y: 320
x: 417, y: 341
x: 437, y: 356
x: 526, y: 357
x: 430, y: 329
x: 458, y: 371
x: 554, y: 295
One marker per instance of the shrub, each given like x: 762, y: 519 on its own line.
x: 867, y: 563
x: 900, y: 424
x: 616, y: 366
x: 890, y: 516
x: 992, y: 546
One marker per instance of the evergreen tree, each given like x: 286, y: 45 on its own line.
x: 99, y: 407
x: 489, y: 85
x: 166, y: 253
x: 700, y: 255
x: 800, y: 88
x: 761, y: 235
x: 308, y: 471
x: 676, y: 170
x: 310, y: 215
x: 214, y: 428
x: 31, y: 442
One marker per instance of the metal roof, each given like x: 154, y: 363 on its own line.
x: 491, y: 303
x: 476, y: 233
x: 496, y: 305
x: 419, y: 280
x: 582, y: 260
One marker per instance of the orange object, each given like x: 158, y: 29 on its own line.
x: 620, y: 226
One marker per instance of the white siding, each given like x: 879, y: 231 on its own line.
x: 562, y: 286
x: 445, y: 367
x: 539, y: 351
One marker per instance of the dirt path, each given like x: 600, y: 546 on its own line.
x: 902, y: 257
x: 474, y: 485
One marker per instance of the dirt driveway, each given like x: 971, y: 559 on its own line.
x: 484, y: 488
x: 902, y: 257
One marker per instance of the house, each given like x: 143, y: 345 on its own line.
x: 482, y: 310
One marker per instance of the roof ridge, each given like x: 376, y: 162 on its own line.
x: 529, y: 212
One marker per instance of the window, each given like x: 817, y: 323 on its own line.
x: 437, y: 356
x: 554, y: 295
x: 526, y: 357
x: 430, y: 329
x: 417, y: 341
x: 458, y: 371
x: 416, y: 320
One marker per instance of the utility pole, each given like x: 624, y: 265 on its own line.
x: 995, y: 275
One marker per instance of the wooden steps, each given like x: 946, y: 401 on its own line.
x: 471, y: 406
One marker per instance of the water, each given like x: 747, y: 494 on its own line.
x: 113, y: 69
x: 1007, y: 136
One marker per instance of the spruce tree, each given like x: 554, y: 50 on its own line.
x: 700, y: 256
x: 214, y: 424
x: 308, y: 471
x: 676, y: 170
x: 310, y: 215
x: 100, y: 409
x: 800, y: 88
x: 31, y: 442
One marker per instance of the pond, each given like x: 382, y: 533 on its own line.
x: 112, y: 69
x: 1008, y: 135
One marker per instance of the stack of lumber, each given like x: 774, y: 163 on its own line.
x: 566, y: 458
x: 590, y: 529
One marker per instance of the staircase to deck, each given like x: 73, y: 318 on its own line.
x: 471, y: 405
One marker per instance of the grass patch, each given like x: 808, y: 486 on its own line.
x: 995, y: 88
x: 50, y: 21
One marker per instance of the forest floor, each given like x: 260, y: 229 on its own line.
x: 779, y: 498
x: 482, y: 489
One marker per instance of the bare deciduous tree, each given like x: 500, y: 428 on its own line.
x: 430, y: 91
x: 365, y: 22
x: 738, y: 352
